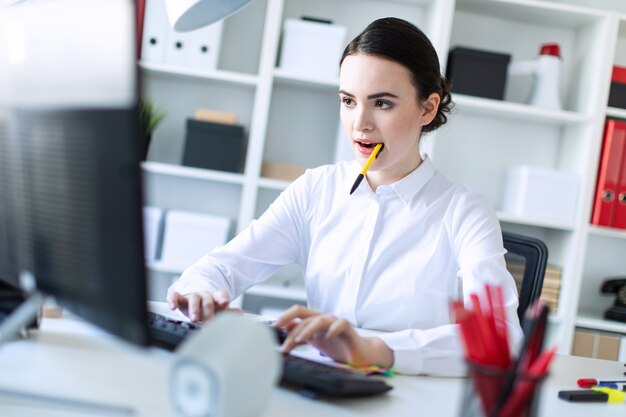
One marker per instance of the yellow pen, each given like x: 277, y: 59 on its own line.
x: 370, y: 160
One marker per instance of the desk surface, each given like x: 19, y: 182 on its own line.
x: 71, y: 359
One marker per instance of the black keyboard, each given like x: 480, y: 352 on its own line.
x: 310, y: 378
x: 168, y: 333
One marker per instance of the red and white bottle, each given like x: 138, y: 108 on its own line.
x: 545, y: 69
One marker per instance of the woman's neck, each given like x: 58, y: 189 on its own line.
x: 392, y: 175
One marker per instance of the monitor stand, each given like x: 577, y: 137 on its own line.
x: 15, y: 323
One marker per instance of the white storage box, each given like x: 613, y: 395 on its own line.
x: 312, y: 48
x: 188, y: 236
x: 541, y: 193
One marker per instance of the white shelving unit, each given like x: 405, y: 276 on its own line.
x: 293, y: 119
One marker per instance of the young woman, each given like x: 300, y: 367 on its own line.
x: 392, y: 255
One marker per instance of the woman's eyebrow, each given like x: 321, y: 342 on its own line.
x: 371, y: 96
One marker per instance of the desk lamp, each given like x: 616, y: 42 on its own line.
x: 188, y: 15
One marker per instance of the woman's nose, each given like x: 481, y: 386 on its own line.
x: 362, y: 120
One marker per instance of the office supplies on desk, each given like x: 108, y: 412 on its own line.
x: 499, y: 385
x: 615, y: 396
x: 592, y: 382
x: 377, y: 149
x: 583, y: 396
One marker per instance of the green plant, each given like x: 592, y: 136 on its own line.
x: 150, y: 116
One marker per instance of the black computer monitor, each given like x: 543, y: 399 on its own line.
x: 71, y: 191
x: 8, y: 248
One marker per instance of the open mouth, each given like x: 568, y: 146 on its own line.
x: 369, y: 145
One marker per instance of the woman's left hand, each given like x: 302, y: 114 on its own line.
x: 332, y: 336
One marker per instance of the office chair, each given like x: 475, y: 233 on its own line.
x: 526, y: 260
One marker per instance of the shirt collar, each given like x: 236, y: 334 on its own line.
x: 410, y: 185
x: 407, y: 187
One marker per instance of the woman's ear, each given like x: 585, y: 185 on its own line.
x: 430, y: 107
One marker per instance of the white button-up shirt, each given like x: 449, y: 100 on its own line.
x: 389, y: 260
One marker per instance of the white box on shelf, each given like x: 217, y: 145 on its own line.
x: 312, y: 48
x: 540, y: 192
x: 152, y: 222
x: 188, y: 236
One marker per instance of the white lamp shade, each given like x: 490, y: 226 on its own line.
x: 187, y: 15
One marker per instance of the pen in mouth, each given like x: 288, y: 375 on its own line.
x: 377, y: 149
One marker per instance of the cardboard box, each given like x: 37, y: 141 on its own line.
x: 312, y: 48
x: 280, y: 171
x: 541, y: 193
x: 617, y: 94
x: 477, y: 72
x: 593, y: 344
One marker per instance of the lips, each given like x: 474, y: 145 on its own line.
x: 366, y: 144
x: 365, y: 147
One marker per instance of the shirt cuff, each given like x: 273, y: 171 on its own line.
x: 407, y: 358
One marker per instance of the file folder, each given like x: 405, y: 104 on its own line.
x: 205, y: 47
x: 155, y: 29
x: 620, y: 199
x: 178, y: 47
x: 611, y: 161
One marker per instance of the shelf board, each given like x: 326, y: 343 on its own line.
x: 159, y: 266
x: 273, y: 183
x: 190, y: 172
x: 616, y: 112
x: 557, y: 15
x: 533, y: 221
x: 267, y: 290
x: 218, y: 75
x: 515, y: 111
x: 299, y: 80
x: 607, y: 232
x: 595, y: 321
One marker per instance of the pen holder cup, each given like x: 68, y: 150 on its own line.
x: 483, y: 389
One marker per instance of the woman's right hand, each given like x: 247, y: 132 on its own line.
x: 199, y: 306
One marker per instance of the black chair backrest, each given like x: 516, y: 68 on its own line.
x: 526, y: 260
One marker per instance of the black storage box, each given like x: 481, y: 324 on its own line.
x: 478, y: 73
x: 617, y: 94
x: 214, y: 146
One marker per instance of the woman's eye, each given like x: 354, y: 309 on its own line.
x: 382, y: 104
x: 347, y: 101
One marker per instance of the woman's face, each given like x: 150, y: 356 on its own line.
x: 379, y: 104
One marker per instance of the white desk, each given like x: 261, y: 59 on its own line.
x: 71, y: 359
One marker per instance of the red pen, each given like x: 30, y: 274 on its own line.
x: 592, y: 382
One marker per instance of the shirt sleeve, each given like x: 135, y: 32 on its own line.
x: 267, y: 244
x: 477, y: 243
